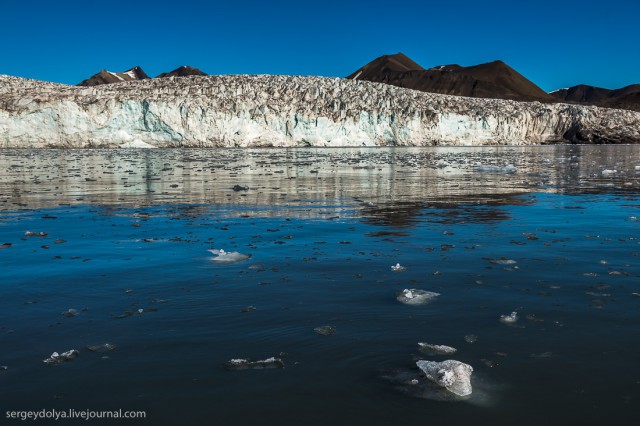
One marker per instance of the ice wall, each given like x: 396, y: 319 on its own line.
x: 267, y: 110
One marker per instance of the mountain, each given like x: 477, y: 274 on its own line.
x: 387, y: 67
x: 183, y: 71
x: 108, y: 77
x: 491, y: 80
x: 627, y: 97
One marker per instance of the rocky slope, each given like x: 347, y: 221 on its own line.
x: 286, y: 111
x: 183, y: 71
x: 491, y: 80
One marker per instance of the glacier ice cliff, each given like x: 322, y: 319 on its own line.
x: 267, y: 110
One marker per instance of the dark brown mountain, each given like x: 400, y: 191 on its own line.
x: 627, y: 97
x: 183, y: 71
x: 108, y: 77
x: 491, y: 80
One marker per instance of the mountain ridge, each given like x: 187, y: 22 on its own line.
x: 627, y: 97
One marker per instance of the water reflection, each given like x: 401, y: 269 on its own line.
x: 386, y: 185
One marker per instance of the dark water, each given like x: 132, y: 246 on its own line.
x: 548, y: 232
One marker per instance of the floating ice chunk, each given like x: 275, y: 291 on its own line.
x: 101, y: 347
x: 228, y: 257
x: 453, y: 375
x: 57, y: 358
x: 246, y: 364
x: 136, y: 143
x: 35, y: 234
x: 3, y: 368
x: 609, y: 172
x: 325, y: 330
x: 489, y: 168
x: 416, y: 297
x: 509, y: 319
x: 430, y: 349
x: 398, y: 268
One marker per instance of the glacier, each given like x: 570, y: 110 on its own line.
x: 286, y: 111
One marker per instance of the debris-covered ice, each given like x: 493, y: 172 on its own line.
x: 430, y: 349
x: 228, y: 257
x: 325, y: 330
x: 247, y: 364
x: 416, y: 297
x: 453, y: 375
x: 35, y: 234
x: 509, y: 319
x: 70, y: 313
x: 101, y: 347
x: 57, y: 358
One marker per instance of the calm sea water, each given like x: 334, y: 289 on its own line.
x: 549, y: 232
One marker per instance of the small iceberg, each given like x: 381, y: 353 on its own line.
x: 454, y: 376
x: 247, y: 364
x: 430, y: 349
x: 57, y: 358
x: 416, y: 297
x: 228, y: 257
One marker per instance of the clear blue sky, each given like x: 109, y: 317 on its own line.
x: 553, y: 43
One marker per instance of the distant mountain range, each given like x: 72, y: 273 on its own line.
x: 495, y: 80
x: 136, y: 73
x: 491, y: 80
